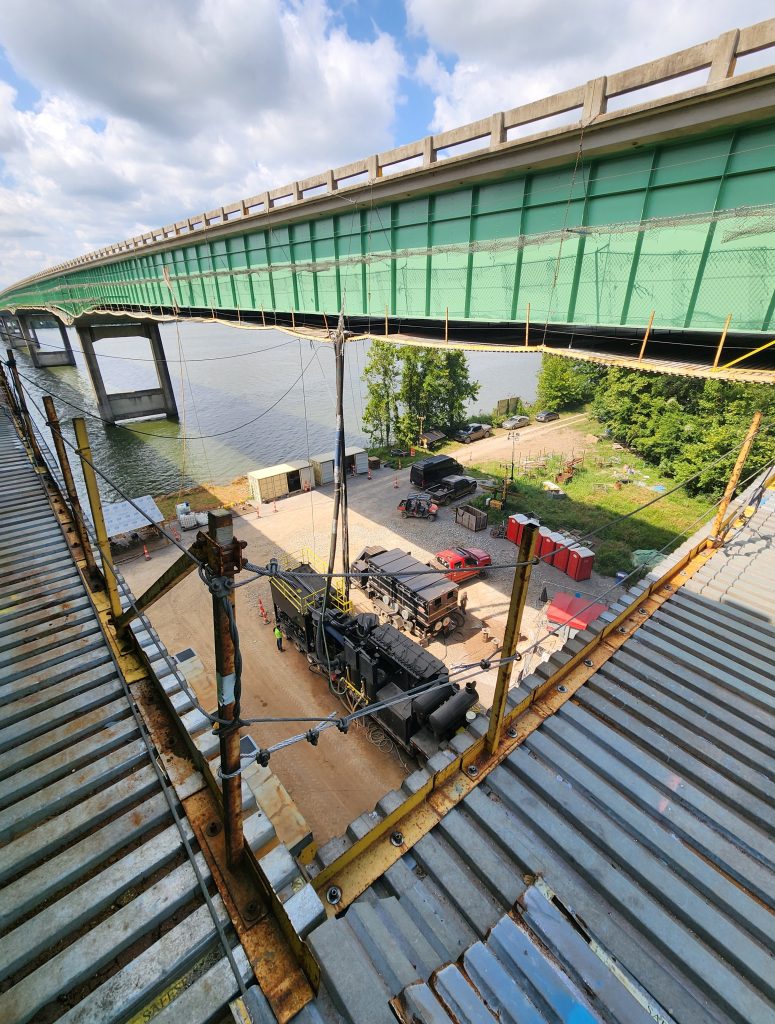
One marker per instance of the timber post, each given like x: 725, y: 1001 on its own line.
x: 522, y: 574
x: 716, y: 537
x: 25, y: 415
x: 223, y: 559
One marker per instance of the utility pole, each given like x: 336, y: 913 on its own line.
x: 340, y: 477
x: 734, y: 479
x: 422, y: 420
x: 223, y: 560
x: 525, y: 557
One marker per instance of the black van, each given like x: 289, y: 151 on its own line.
x: 428, y: 471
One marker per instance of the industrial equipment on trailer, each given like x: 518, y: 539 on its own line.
x: 367, y: 661
x: 406, y: 590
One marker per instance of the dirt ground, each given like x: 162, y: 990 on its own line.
x: 345, y: 775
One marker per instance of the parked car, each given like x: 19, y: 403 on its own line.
x: 460, y: 564
x: 547, y: 417
x: 451, y: 488
x: 514, y: 422
x: 418, y: 506
x: 431, y: 470
x: 473, y: 432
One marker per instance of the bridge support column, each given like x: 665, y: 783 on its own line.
x: 129, y: 405
x: 30, y: 338
x: 51, y: 357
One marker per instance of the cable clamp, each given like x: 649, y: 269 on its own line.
x: 273, y: 567
x: 312, y: 737
x: 484, y: 664
x: 343, y: 725
x: 262, y: 758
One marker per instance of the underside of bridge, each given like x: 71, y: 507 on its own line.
x: 652, y: 221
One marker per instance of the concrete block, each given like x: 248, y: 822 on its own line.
x: 461, y: 741
x: 195, y: 722
x: 415, y: 781
x: 390, y: 802
x: 439, y: 761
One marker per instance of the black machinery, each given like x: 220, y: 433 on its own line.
x: 367, y: 661
x: 404, y: 589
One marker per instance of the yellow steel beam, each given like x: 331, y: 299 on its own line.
x: 746, y: 355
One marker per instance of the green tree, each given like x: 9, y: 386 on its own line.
x: 382, y: 376
x: 566, y: 383
x: 686, y: 426
x: 435, y: 388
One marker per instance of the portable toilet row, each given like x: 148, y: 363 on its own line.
x: 554, y: 548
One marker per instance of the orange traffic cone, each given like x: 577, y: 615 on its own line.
x: 395, y: 481
x: 145, y: 552
x: 262, y: 611
x: 369, y: 474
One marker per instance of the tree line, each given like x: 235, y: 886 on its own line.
x: 682, y: 425
x: 411, y: 389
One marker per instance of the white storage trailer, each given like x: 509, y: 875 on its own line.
x: 323, y: 465
x: 279, y: 481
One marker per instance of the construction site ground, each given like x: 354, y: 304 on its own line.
x: 344, y: 776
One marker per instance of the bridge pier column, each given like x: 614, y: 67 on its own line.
x: 51, y: 357
x: 129, y: 405
x: 30, y: 338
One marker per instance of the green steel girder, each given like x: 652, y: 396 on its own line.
x: 686, y: 229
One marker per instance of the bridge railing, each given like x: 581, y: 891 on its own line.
x: 718, y: 56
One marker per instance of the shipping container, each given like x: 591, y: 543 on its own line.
x: 323, y: 464
x: 279, y: 481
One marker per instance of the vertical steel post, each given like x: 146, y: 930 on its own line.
x: 67, y: 475
x: 646, y: 336
x: 95, y: 504
x: 527, y: 325
x: 735, y: 477
x: 25, y: 415
x: 527, y: 548
x: 220, y: 559
x: 9, y: 394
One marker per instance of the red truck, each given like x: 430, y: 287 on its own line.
x: 460, y: 564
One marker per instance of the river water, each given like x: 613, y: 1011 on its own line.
x: 227, y: 381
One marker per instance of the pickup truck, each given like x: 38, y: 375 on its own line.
x: 449, y: 488
x: 460, y: 564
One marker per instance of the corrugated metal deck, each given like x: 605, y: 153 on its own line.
x: 620, y: 865
x: 101, y: 914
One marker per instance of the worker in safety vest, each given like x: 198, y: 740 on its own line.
x: 278, y: 637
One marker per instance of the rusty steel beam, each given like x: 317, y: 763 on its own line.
x: 95, y: 504
x: 52, y: 421
x: 179, y: 570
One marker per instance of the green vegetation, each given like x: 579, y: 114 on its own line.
x: 685, y: 426
x: 409, y: 387
x: 601, y: 491
x: 566, y: 383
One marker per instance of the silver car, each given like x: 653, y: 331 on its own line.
x: 513, y: 422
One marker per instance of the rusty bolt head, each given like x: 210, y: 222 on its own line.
x: 213, y: 828
x: 472, y: 770
x: 397, y: 838
x: 511, y: 732
x: 589, y: 663
x: 562, y: 688
x: 334, y: 895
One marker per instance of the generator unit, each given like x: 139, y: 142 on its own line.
x: 408, y: 592
x: 365, y: 660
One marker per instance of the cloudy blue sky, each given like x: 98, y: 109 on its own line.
x: 116, y: 117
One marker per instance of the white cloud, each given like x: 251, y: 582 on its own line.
x: 149, y: 112
x: 500, y: 53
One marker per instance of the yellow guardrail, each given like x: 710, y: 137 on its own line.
x: 291, y: 561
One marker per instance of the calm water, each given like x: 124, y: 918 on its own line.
x: 225, y: 382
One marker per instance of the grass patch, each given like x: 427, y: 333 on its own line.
x: 594, y: 501
x: 205, y: 497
